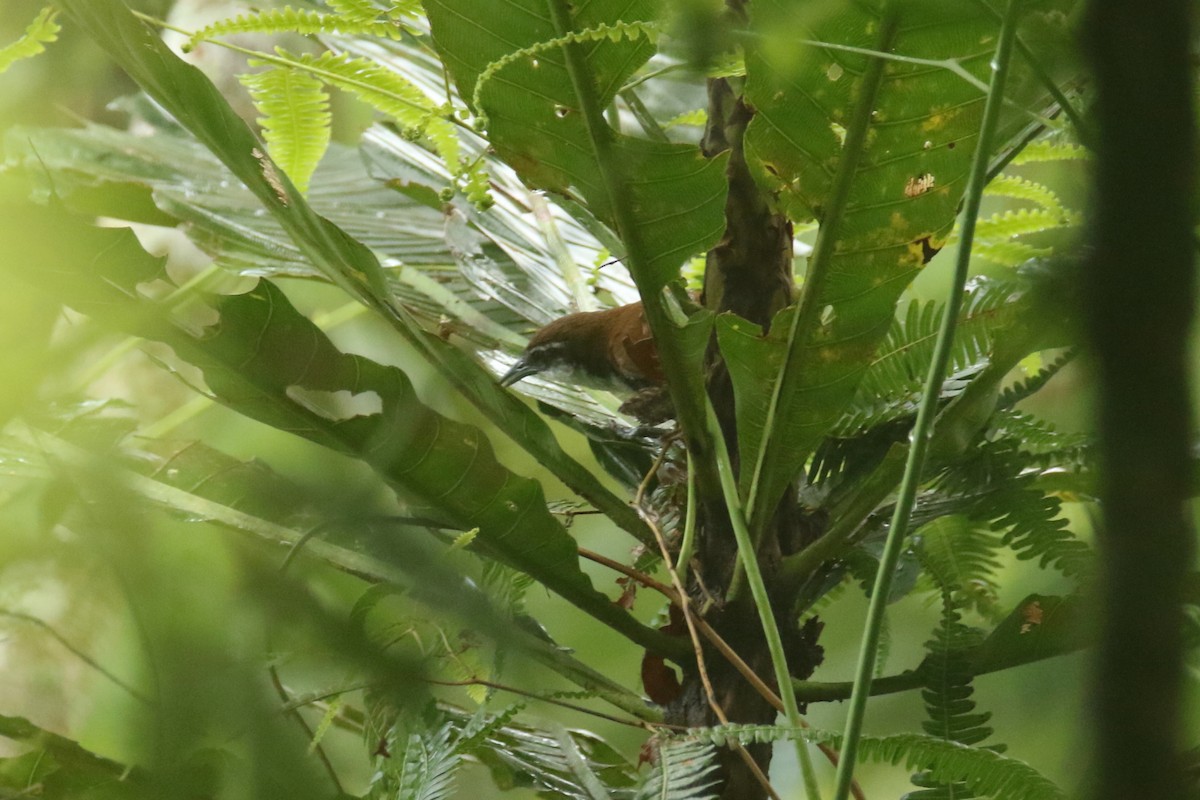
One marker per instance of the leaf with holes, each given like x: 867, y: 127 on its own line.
x: 901, y: 189
x: 515, y: 70
x: 264, y: 359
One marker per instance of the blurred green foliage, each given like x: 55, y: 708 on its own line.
x: 199, y: 602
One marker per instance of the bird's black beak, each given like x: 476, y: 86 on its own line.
x: 516, y: 372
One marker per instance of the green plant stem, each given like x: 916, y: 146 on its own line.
x: 685, y: 385
x: 687, y: 544
x: 748, y: 556
x: 649, y: 124
x: 954, y: 428
x: 808, y: 315
x: 922, y: 430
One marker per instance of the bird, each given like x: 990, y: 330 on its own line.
x: 610, y: 349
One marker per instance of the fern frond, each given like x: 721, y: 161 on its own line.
x: 686, y: 770
x: 387, y: 92
x: 296, y: 119
x: 300, y: 21
x: 947, y: 696
x: 891, y: 387
x: 384, y: 90
x: 1052, y: 151
x: 1023, y: 222
x: 1022, y: 389
x: 483, y: 725
x: 613, y: 32
x: 505, y: 586
x: 403, y: 8
x: 1046, y: 444
x: 1009, y: 253
x: 354, y: 9
x: 528, y: 756
x: 1018, y: 188
x: 959, y: 557
x: 42, y: 31
x: 985, y: 772
x: 478, y: 185
x: 995, y: 483
x: 444, y: 138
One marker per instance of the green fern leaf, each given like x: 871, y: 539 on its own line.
x: 43, y: 30
x: 1046, y: 445
x: 995, y: 483
x: 478, y: 185
x: 354, y: 9
x: 1019, y: 188
x: 1031, y: 385
x: 1009, y: 253
x: 444, y: 137
x: 482, y: 725
x: 947, y: 694
x: 385, y: 91
x: 299, y: 21
x: 1052, y: 151
x: 892, y: 385
x: 296, y: 119
x: 1023, y: 222
x: 959, y: 557
x: 982, y: 771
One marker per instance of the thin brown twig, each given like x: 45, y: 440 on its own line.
x: 704, y: 628
x: 629, y: 572
x: 716, y: 640
x: 685, y: 608
x: 645, y: 484
x: 554, y: 701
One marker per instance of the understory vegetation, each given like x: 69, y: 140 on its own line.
x: 275, y: 530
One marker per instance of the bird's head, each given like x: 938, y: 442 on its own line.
x: 597, y: 347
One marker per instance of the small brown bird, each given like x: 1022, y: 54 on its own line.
x: 606, y: 348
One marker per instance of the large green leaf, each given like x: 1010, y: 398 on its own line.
x: 265, y: 360
x: 197, y: 105
x: 902, y: 190
x: 537, y: 121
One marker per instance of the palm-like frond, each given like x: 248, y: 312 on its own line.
x: 561, y: 763
x: 684, y: 771
x: 427, y: 766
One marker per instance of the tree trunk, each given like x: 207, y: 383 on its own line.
x: 749, y: 272
x: 1139, y: 287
